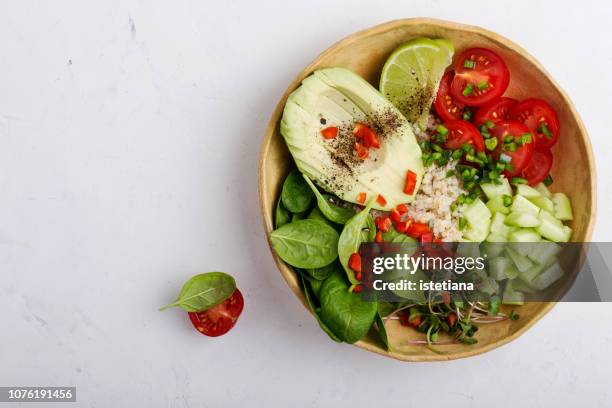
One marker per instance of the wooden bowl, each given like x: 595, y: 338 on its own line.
x: 574, y: 170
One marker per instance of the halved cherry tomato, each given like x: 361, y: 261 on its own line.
x: 539, y: 166
x: 480, y: 77
x: 519, y: 159
x: 366, y: 135
x: 446, y: 107
x: 540, y: 118
x: 498, y: 109
x: 218, y: 320
x: 461, y: 132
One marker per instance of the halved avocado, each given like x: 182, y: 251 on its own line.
x: 338, y: 97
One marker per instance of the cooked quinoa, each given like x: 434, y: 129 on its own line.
x: 432, y: 204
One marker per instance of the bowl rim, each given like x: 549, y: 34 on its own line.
x: 381, y: 28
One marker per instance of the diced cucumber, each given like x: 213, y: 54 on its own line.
x: 568, y: 233
x: 496, y: 238
x: 501, y: 268
x: 534, y: 271
x: 552, y: 274
x: 527, y: 192
x: 563, y: 208
x: 475, y: 234
x: 544, y: 252
x: 522, y: 286
x: 543, y: 190
x: 489, y: 286
x: 524, y: 235
x: 496, y: 205
x: 522, y: 219
x: 522, y: 262
x: 550, y: 227
x: 511, y: 296
x: 492, y: 190
x: 544, y: 203
x: 523, y: 205
x: 468, y: 250
x: 499, y: 227
x: 478, y: 218
x: 491, y: 249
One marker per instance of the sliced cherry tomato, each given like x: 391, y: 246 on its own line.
x: 498, y: 109
x: 520, y: 157
x: 446, y: 107
x: 539, y: 166
x: 461, y: 132
x: 540, y: 118
x: 411, y: 180
x: 480, y: 77
x: 218, y: 320
x: 330, y: 132
x: 366, y: 135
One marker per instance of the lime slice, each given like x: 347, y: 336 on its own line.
x: 411, y: 76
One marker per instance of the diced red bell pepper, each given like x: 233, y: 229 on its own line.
x: 366, y: 135
x: 361, y: 198
x: 395, y: 215
x: 381, y: 200
x: 354, y: 262
x: 358, y: 288
x: 417, y: 229
x: 383, y: 223
x: 402, y: 209
x: 426, y: 238
x: 411, y: 180
x: 378, y: 238
x: 330, y: 132
x: 361, y: 150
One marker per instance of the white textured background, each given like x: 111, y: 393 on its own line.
x: 129, y: 134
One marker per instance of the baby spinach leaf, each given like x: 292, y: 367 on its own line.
x: 335, y: 213
x: 351, y: 238
x: 306, y: 244
x: 204, y: 291
x: 369, y: 233
x: 282, y: 216
x: 315, y: 312
x: 396, y: 237
x: 345, y: 313
x: 299, y: 216
x: 382, y: 331
x: 296, y: 195
x: 316, y: 214
x: 322, y: 273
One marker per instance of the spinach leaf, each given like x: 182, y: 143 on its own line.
x: 332, y: 212
x: 351, y: 238
x: 316, y: 287
x: 282, y: 216
x: 296, y: 195
x: 315, y: 312
x: 345, y: 313
x: 306, y: 244
x: 382, y: 331
x: 204, y: 291
x: 368, y: 234
x: 386, y: 308
x: 316, y: 214
x: 322, y: 273
x: 396, y: 237
x: 299, y: 216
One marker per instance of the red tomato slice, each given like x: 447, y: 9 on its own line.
x: 540, y: 118
x: 519, y: 159
x: 498, y: 109
x: 220, y: 319
x: 461, y: 132
x: 446, y: 107
x: 480, y: 77
x: 539, y: 166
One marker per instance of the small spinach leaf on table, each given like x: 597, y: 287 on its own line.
x: 351, y: 238
x: 332, y: 212
x: 344, y: 312
x: 204, y: 291
x: 296, y: 195
x: 306, y: 244
x: 282, y: 216
x: 382, y: 331
x: 315, y: 311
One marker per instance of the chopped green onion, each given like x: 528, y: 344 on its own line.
x: 461, y: 199
x: 437, y: 148
x: 457, y: 154
x: 493, y: 174
x: 462, y: 223
x: 483, y: 85
x: 548, y: 180
x: 511, y: 147
x: 453, y: 206
x: 436, y: 155
x: 544, y: 129
x: 441, y: 129
x: 482, y: 156
x: 467, y: 114
x: 489, y: 124
x: 467, y: 91
x: 518, y: 180
x: 499, y: 166
x: 507, y: 200
x: 469, y: 64
x: 469, y: 185
x: 469, y: 200
x: 508, y: 139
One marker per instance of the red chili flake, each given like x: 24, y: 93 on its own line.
x: 330, y: 132
x: 361, y: 197
x: 411, y: 180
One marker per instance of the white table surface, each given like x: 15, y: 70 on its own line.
x: 129, y: 135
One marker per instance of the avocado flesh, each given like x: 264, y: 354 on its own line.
x: 341, y: 98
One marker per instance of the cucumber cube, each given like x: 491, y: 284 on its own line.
x: 544, y: 252
x: 511, y: 296
x: 544, y: 203
x: 522, y: 219
x: 478, y: 218
x: 499, y: 227
x: 501, y: 268
x: 491, y: 249
x: 493, y: 237
x: 550, y: 227
x: 568, y: 233
x: 496, y: 205
x: 543, y: 190
x: 523, y: 205
x: 527, y: 192
x: 552, y: 274
x: 521, y: 262
x: 525, y: 235
x: 488, y: 286
x: 563, y: 208
x: 492, y: 190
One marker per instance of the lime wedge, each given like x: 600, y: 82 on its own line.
x: 411, y: 76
